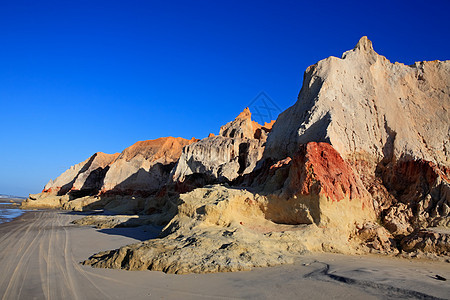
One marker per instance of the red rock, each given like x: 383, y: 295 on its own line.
x: 319, y: 168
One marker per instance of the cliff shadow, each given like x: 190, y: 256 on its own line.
x: 140, y: 233
x: 144, y: 183
x: 127, y: 197
x: 91, y: 185
x: 316, y: 132
x: 68, y: 186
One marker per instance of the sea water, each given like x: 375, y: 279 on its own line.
x: 8, y: 212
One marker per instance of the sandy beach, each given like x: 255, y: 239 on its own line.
x: 40, y: 254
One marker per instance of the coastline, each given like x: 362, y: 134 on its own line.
x: 40, y: 253
x: 10, y: 209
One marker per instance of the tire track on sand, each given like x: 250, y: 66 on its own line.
x: 74, y: 269
x: 20, y: 270
x: 71, y: 279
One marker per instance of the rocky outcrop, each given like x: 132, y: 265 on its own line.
x: 390, y: 122
x: 219, y: 229
x: 79, y: 181
x: 140, y: 170
x: 427, y: 242
x: 144, y: 166
x: 359, y: 164
x: 86, y: 176
x: 234, y: 152
x: 320, y: 188
x: 376, y: 239
x: 421, y: 196
x: 244, y: 127
x: 362, y: 103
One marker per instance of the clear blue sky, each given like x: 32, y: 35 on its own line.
x: 77, y: 77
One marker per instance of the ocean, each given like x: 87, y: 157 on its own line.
x: 9, y: 210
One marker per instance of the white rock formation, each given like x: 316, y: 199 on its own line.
x: 391, y: 121
x: 144, y: 166
x: 363, y: 103
x: 235, y: 151
x: 86, y: 175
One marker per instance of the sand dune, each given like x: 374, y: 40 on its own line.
x: 40, y: 254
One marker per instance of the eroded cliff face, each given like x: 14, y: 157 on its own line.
x: 363, y: 103
x: 359, y: 164
x: 234, y: 152
x: 85, y: 177
x: 144, y: 166
x: 311, y: 202
x: 320, y: 188
x: 143, y: 169
x: 390, y: 122
x: 221, y: 229
x: 140, y: 170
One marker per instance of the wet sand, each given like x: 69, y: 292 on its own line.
x: 40, y: 254
x: 9, y: 209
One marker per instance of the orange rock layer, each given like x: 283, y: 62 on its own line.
x: 318, y: 168
x: 168, y: 148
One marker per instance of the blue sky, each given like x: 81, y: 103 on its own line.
x: 77, y: 77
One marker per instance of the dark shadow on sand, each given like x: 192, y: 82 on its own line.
x: 141, y: 233
x: 127, y: 229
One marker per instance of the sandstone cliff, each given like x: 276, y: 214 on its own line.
x: 235, y: 151
x: 358, y: 164
x: 366, y: 140
x: 140, y: 170
x: 144, y: 166
x: 218, y: 228
x: 85, y: 177
x: 363, y: 103
x: 391, y: 122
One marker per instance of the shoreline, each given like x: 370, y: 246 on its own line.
x: 10, y: 209
x: 40, y: 253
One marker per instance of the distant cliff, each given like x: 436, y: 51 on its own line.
x: 152, y: 167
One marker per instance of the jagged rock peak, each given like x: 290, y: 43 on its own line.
x: 236, y: 150
x: 245, y: 114
x: 241, y: 127
x: 363, y: 48
x: 364, y: 44
x: 244, y: 127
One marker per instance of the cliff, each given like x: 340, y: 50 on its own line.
x: 234, y: 152
x: 220, y: 228
x: 364, y: 104
x: 144, y: 166
x: 358, y: 164
x: 390, y: 121
x: 140, y: 170
x: 86, y: 176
